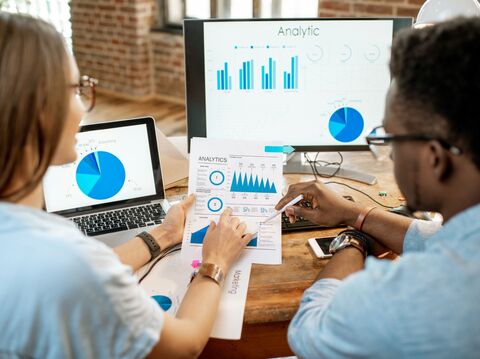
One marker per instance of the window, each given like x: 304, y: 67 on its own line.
x: 174, y: 11
x: 56, y: 12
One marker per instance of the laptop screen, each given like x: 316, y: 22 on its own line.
x: 115, y: 163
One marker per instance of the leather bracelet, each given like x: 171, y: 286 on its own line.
x: 151, y: 243
x: 361, y: 218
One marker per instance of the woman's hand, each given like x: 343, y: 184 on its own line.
x: 225, y: 241
x: 328, y: 207
x: 170, y: 232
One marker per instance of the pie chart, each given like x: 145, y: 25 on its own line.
x: 100, y: 175
x: 346, y: 124
x: 163, y: 301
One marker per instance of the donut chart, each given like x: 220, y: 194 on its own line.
x: 215, y: 204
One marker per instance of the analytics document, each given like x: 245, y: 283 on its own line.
x: 245, y: 176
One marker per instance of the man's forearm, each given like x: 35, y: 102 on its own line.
x: 387, y: 228
x: 345, y: 262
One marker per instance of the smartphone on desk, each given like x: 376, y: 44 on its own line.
x: 320, y: 246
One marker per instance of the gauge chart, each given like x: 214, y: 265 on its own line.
x: 346, y: 124
x: 100, y: 175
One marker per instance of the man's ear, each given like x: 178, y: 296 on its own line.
x: 439, y: 161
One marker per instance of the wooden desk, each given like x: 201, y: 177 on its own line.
x: 275, y: 291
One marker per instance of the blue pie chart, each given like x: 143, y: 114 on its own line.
x: 346, y: 124
x: 100, y: 175
x: 163, y: 301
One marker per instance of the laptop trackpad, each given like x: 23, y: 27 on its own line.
x: 117, y: 238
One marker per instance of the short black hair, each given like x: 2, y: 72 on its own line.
x: 437, y: 69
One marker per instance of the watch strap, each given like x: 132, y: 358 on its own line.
x: 151, y: 243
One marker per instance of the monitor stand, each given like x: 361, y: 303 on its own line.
x: 294, y: 165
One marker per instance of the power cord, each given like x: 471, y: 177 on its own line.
x: 356, y: 189
x: 162, y: 255
x: 313, y: 165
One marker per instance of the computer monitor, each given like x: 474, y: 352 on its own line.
x: 315, y: 84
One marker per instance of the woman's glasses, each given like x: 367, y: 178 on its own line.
x: 85, y: 90
x: 380, y: 142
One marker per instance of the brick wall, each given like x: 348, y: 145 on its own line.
x: 112, y: 41
x: 168, y: 63
x: 357, y: 8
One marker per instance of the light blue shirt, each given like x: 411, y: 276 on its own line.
x: 63, y: 295
x: 425, y: 305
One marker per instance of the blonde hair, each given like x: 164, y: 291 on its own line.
x: 34, y: 99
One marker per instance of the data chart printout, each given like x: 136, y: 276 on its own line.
x: 245, y: 176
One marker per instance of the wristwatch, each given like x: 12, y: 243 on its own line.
x: 350, y: 238
x: 151, y: 243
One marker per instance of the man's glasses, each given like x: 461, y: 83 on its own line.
x: 380, y: 142
x: 85, y: 90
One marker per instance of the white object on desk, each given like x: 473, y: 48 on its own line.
x: 173, y: 162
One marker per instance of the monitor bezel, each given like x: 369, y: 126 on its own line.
x: 195, y: 80
x: 155, y: 160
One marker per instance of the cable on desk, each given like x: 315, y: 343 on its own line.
x: 360, y: 191
x: 166, y: 253
x: 313, y: 165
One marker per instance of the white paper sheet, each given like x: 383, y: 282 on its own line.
x: 240, y: 175
x: 168, y: 283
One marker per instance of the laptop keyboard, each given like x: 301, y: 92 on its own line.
x: 120, y: 220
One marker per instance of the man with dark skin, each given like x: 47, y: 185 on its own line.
x: 426, y: 303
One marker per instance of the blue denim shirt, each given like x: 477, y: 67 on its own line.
x: 425, y: 305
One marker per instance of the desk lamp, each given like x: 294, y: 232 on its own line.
x: 434, y: 11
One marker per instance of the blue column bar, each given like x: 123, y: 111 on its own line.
x: 218, y: 80
x: 251, y: 74
x: 293, y: 73
x: 270, y: 73
x: 223, y: 79
x: 266, y: 80
x: 240, y: 78
x: 225, y: 75
x: 263, y: 77
x: 296, y: 72
x: 248, y: 76
x: 284, y: 80
x: 289, y: 81
x: 274, y: 75
x: 243, y: 76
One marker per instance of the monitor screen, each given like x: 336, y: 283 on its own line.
x: 115, y: 163
x: 315, y: 84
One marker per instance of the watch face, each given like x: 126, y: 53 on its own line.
x: 337, y: 242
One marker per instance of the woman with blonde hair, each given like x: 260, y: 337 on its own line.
x: 64, y: 295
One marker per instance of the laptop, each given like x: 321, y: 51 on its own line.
x: 114, y: 190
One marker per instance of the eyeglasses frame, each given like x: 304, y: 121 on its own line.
x: 373, y: 140
x: 87, y: 82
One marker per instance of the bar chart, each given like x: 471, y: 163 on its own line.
x: 224, y: 80
x: 269, y: 78
x: 245, y: 75
x: 290, y: 79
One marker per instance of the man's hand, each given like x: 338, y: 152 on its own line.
x: 170, y: 232
x: 328, y: 207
